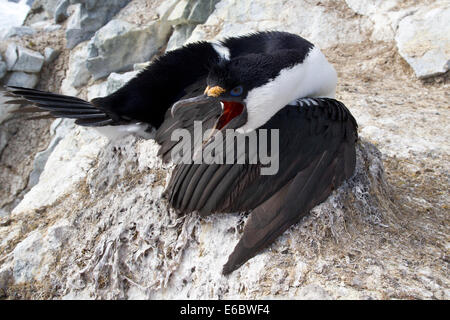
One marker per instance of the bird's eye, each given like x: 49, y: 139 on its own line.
x: 237, y: 91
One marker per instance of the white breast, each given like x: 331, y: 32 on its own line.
x: 314, y: 77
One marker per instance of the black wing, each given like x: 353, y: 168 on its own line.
x: 316, y: 153
x: 184, y: 119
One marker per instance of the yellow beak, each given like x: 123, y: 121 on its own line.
x: 214, y: 91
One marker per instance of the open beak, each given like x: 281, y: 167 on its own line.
x: 202, y: 99
x: 210, y: 94
x: 231, y: 109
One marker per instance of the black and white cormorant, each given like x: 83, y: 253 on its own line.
x: 266, y: 80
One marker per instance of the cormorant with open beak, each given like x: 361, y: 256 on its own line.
x: 268, y: 80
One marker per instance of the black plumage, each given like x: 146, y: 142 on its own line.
x: 317, y: 136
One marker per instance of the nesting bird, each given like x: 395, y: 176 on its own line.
x: 267, y: 80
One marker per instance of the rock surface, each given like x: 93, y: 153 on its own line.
x: 19, y: 32
x: 94, y: 226
x: 90, y: 16
x: 50, y: 54
x: 423, y: 39
x: 2, y: 69
x: 184, y: 16
x: 23, y: 59
x: 42, y: 10
x: 301, y: 17
x: 77, y: 74
x: 109, y: 48
x: 22, y: 79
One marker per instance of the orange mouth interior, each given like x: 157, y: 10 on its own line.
x: 230, y: 111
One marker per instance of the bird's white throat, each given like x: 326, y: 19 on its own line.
x: 314, y: 77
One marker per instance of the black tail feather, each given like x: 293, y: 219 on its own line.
x: 57, y: 106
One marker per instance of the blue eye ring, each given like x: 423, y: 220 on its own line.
x: 237, y: 91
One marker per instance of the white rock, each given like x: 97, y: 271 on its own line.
x: 28, y: 255
x: 313, y: 292
x: 59, y: 129
x: 23, y: 79
x: 71, y: 159
x: 180, y: 13
x: 423, y: 40
x: 58, y: 234
x: 321, y: 26
x: 166, y: 8
x: 118, y: 45
x: 370, y: 7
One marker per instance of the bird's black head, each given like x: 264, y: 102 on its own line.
x: 230, y: 81
x: 242, y: 74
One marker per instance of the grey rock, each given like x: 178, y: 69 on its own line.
x: 23, y: 79
x: 201, y: 10
x: 5, y: 280
x: 22, y: 59
x: 116, y: 80
x: 41, y: 10
x: 314, y: 292
x: 27, y: 257
x: 52, y: 27
x: 58, y: 235
x: 61, y: 11
x: 191, y: 11
x: 50, y: 54
x: 119, y: 45
x: 165, y: 9
x: 28, y: 61
x: 19, y: 32
x: 423, y: 40
x: 184, y: 16
x: 5, y: 114
x: 77, y: 74
x: 113, y: 83
x: 179, y: 36
x: 2, y: 69
x: 3, y: 140
x: 90, y: 16
x: 180, y: 12
x: 11, y: 56
x: 46, y: 26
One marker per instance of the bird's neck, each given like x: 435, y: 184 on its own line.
x: 314, y: 77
